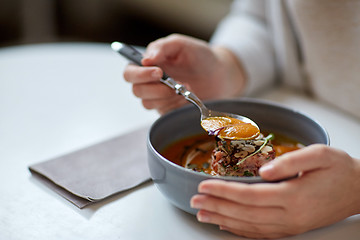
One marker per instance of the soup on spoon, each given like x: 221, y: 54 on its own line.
x: 230, y: 128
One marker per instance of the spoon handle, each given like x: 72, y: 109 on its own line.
x: 134, y: 55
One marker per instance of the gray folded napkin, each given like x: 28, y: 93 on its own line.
x: 99, y: 171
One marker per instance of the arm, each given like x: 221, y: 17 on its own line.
x: 245, y: 32
x: 240, y: 49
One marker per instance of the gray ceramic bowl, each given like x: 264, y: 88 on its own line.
x: 178, y: 184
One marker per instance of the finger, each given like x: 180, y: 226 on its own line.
x: 163, y: 50
x: 137, y: 74
x: 164, y: 105
x: 231, y: 223
x: 154, y: 90
x: 303, y: 160
x: 259, y: 194
x: 247, y: 213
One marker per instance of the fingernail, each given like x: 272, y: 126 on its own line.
x: 195, y: 204
x: 203, y: 217
x: 203, y: 188
x: 150, y: 54
x: 268, y: 168
x: 223, y: 228
x: 156, y: 73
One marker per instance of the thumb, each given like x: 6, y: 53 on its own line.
x: 307, y: 159
x: 150, y: 57
x: 162, y: 51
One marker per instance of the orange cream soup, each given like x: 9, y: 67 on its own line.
x: 230, y: 128
x: 200, y: 147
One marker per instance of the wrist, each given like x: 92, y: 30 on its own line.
x: 235, y: 76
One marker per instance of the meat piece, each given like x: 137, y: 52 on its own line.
x: 241, y: 157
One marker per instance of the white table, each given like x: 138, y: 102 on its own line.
x: 57, y: 98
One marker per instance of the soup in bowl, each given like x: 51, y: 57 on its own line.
x: 172, y: 136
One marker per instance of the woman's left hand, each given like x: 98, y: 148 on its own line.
x: 327, y: 191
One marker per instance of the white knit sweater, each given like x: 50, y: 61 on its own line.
x: 308, y: 45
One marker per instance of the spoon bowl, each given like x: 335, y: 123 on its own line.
x: 135, y: 56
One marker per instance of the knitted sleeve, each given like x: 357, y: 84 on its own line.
x: 244, y: 31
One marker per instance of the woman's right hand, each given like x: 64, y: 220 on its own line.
x: 209, y: 72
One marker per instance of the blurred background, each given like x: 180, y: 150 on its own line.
x: 135, y: 22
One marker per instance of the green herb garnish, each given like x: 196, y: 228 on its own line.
x: 248, y: 174
x: 267, y: 139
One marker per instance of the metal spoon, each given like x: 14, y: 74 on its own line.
x: 134, y: 55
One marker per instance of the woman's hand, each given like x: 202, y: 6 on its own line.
x: 210, y: 72
x: 327, y: 191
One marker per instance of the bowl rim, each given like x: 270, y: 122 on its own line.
x: 254, y: 179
